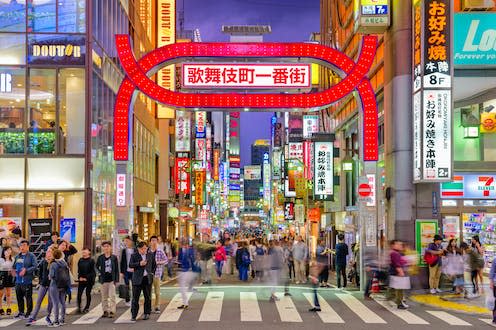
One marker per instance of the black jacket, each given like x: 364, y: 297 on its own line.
x: 43, y: 271
x: 139, y: 270
x: 86, y: 269
x: 100, y: 266
x: 124, y: 260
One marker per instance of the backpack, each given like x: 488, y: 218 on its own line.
x: 63, y: 278
x: 245, y: 258
x: 259, y: 251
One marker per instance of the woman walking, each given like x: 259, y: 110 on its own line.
x: 219, y: 257
x: 59, y: 283
x: 43, y: 271
x: 399, y: 281
x: 6, y: 279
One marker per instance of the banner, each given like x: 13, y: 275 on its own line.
x: 215, y: 169
x: 323, y: 169
x: 201, y: 122
x: 310, y: 125
x: 183, y: 131
x: 68, y: 229
x: 181, y: 175
x: 200, y: 177
x: 289, y: 211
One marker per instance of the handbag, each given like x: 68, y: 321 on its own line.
x: 430, y: 259
x: 399, y: 282
x: 123, y: 291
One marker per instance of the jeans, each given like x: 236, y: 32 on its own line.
x: 58, y: 301
x: 218, y: 267
x: 291, y: 268
x: 341, y: 272
x: 88, y: 286
x: 315, y: 297
x: 243, y: 272
x: 24, y: 291
x: 127, y: 278
x: 186, y: 280
x: 108, y: 297
x: 146, y: 287
x: 42, y: 292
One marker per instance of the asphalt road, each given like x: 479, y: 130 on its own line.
x: 246, y: 306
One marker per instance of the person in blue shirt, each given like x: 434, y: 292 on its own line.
x: 24, y: 267
x: 189, y: 270
x: 341, y: 254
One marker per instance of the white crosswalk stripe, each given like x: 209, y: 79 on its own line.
x: 488, y: 321
x: 250, y: 310
x: 405, y: 315
x: 212, y: 308
x: 126, y: 316
x: 360, y: 309
x: 327, y: 313
x: 94, y: 315
x: 7, y: 322
x: 42, y: 321
x: 171, y: 313
x: 448, y: 318
x: 287, y: 309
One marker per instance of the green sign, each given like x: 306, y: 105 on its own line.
x: 424, y: 235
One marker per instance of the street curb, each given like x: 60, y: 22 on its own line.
x: 457, y: 307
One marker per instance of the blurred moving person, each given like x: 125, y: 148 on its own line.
x: 398, y: 277
x: 189, y: 271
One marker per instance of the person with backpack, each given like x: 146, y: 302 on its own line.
x: 86, y: 277
x: 24, y: 267
x: 243, y: 261
x: 219, y: 257
x: 107, y: 266
x: 126, y: 272
x: 43, y: 290
x: 432, y: 257
x: 60, y: 280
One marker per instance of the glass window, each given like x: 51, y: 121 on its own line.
x: 42, y: 111
x: 70, y: 213
x: 71, y: 16
x: 72, y: 111
x: 11, y: 210
x: 41, y: 205
x: 12, y: 49
x: 55, y: 173
x: 42, y: 16
x: 12, y: 106
x: 12, y: 173
x: 12, y: 16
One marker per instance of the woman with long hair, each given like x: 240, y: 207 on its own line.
x: 478, y: 265
x: 6, y: 278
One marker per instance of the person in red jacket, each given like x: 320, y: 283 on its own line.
x: 220, y: 257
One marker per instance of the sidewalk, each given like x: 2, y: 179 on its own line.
x: 470, y: 304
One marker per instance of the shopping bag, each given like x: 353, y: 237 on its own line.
x: 399, y: 282
x: 123, y: 291
x: 490, y: 300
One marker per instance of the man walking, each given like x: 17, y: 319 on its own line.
x: 107, y: 266
x: 300, y: 256
x: 126, y: 272
x: 161, y: 260
x: 341, y: 253
x: 24, y: 267
x: 144, y: 266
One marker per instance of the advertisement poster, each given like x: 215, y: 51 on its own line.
x: 68, y: 229
x: 7, y: 224
x: 451, y: 227
x: 424, y: 235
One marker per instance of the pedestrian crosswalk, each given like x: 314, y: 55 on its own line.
x: 210, y: 306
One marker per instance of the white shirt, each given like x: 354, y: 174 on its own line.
x: 143, y: 257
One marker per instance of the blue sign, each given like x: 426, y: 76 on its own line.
x: 375, y: 10
x: 234, y: 187
x: 475, y: 39
x: 68, y: 229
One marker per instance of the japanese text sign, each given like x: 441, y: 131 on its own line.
x: 120, y: 191
x: 249, y: 75
x: 323, y: 169
x: 181, y: 175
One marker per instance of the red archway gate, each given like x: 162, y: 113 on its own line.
x: 353, y: 74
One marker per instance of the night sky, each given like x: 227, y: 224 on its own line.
x: 291, y: 20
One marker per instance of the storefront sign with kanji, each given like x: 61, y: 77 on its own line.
x: 250, y: 75
x: 323, y: 182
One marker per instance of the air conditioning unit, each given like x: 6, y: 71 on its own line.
x: 477, y: 5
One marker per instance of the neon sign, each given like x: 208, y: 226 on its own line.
x: 354, y: 77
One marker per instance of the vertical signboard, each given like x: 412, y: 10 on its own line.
x: 181, y: 175
x: 289, y: 211
x: 183, y: 131
x: 310, y: 125
x: 120, y: 191
x: 323, y: 181
x: 432, y: 83
x: 424, y: 234
x: 234, y: 133
x: 200, y: 177
x: 215, y: 168
x: 201, y: 150
x: 201, y: 123
x: 308, y: 160
x: 166, y: 35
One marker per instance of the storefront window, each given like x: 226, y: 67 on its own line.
x: 12, y: 16
x: 41, y: 205
x: 70, y: 213
x: 11, y: 211
x: 72, y: 111
x: 42, y: 16
x: 42, y: 112
x: 71, y: 16
x: 12, y: 49
x: 12, y: 104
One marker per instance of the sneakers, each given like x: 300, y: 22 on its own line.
x: 157, y: 310
x: 30, y: 322
x: 433, y: 291
x: 86, y: 311
x: 438, y: 290
x: 2, y: 312
x: 54, y: 325
x: 48, y: 321
x: 401, y: 306
x: 133, y: 320
x: 111, y: 315
x: 19, y: 316
x: 128, y: 303
x: 315, y: 309
x: 146, y: 317
x: 182, y: 307
x: 105, y: 314
x: 62, y: 322
x: 9, y: 311
x: 273, y: 299
x: 287, y: 294
x: 405, y: 304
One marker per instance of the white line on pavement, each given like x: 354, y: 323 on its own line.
x: 126, y: 316
x: 287, y: 309
x: 448, y: 318
x: 327, y: 313
x: 250, y: 310
x: 171, y: 313
x: 405, y: 315
x: 94, y: 315
x: 212, y: 308
x: 42, y: 321
x: 6, y: 322
x: 360, y: 309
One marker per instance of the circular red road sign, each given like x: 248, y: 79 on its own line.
x: 364, y: 190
